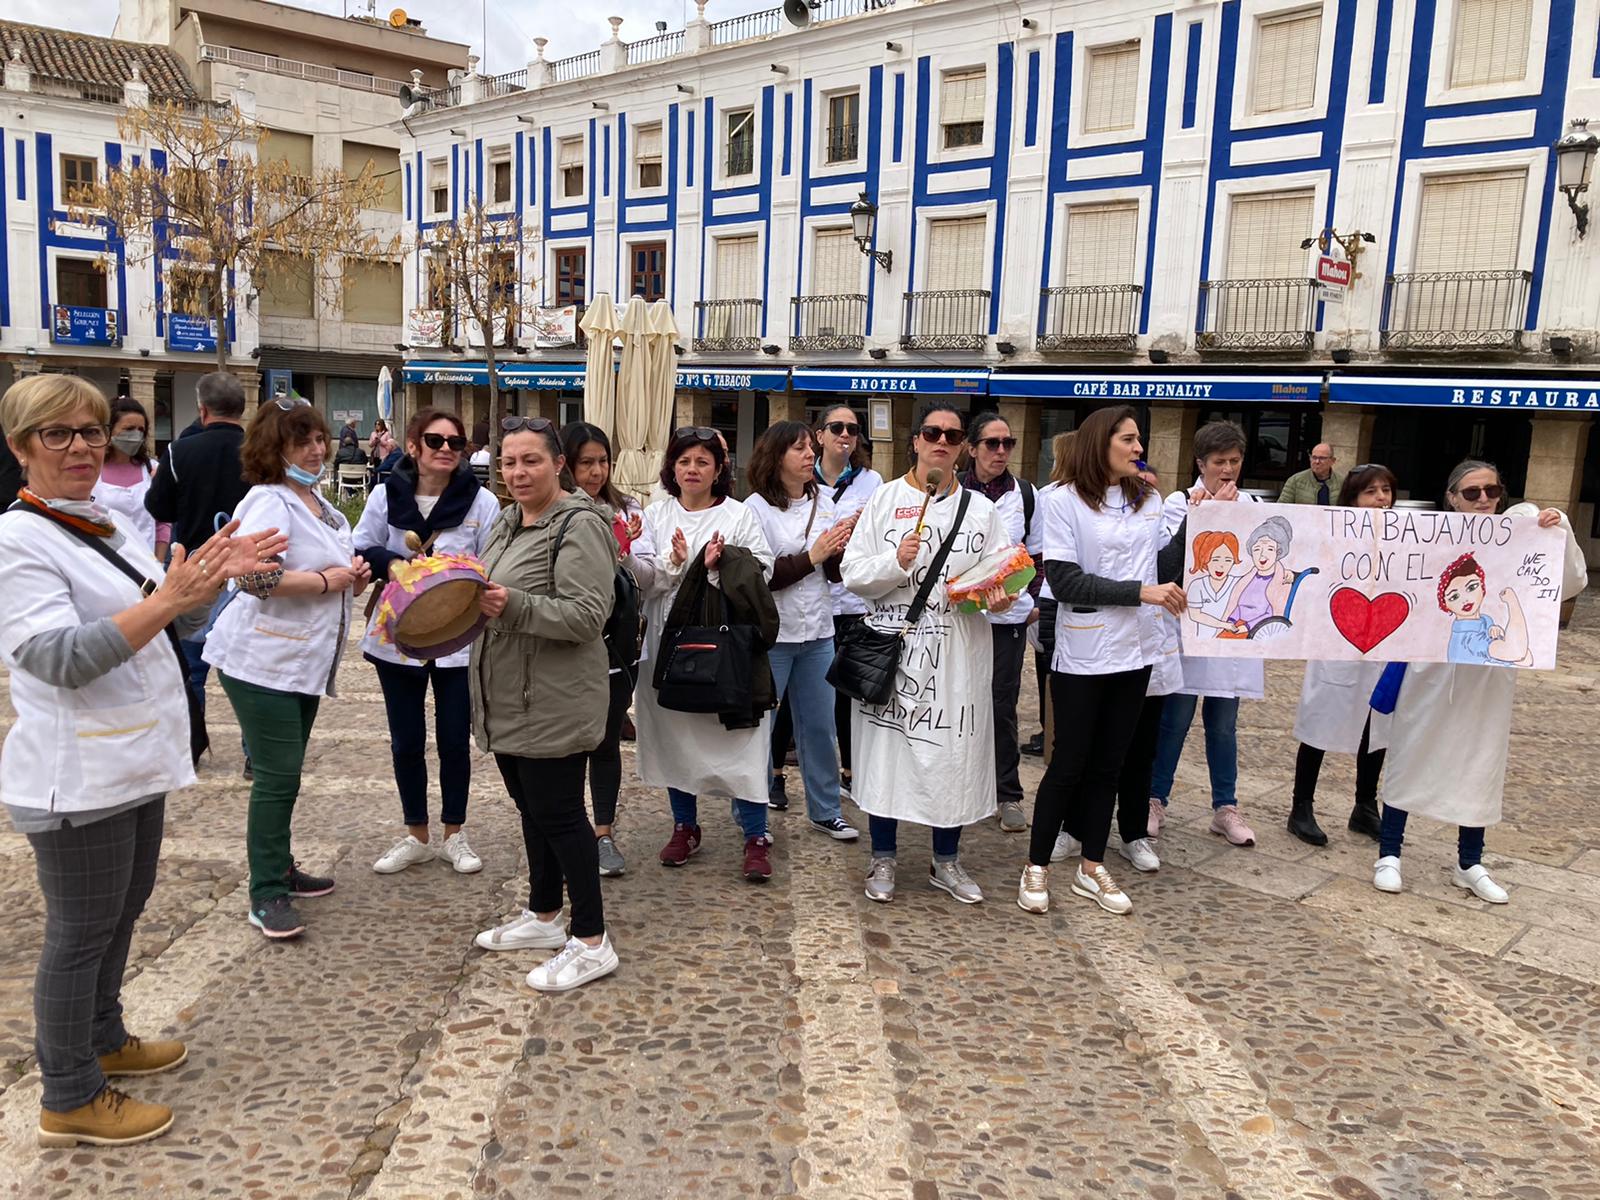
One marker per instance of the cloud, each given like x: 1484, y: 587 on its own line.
x: 512, y: 24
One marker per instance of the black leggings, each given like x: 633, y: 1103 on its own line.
x: 557, y: 836
x: 605, y: 760
x: 1096, y: 718
x: 842, y: 703
x: 1369, y: 765
x: 1133, y: 785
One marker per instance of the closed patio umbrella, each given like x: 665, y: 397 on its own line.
x: 599, y: 324
x: 634, y: 472
x: 662, y: 379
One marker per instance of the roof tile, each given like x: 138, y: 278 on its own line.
x: 59, y: 54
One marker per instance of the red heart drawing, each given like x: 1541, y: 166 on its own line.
x: 1364, y: 623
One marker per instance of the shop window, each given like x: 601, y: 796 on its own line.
x: 1278, y: 441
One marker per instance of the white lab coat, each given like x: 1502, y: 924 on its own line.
x: 1115, y: 542
x: 862, y: 485
x: 1226, y: 678
x: 805, y: 608
x: 469, y: 537
x: 927, y: 755
x: 693, y: 752
x: 129, y: 501
x: 118, y: 738
x: 1335, y: 703
x: 1452, y: 726
x: 287, y: 643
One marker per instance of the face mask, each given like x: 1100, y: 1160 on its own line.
x: 300, y: 475
x: 129, y: 443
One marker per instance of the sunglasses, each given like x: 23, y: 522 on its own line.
x: 699, y: 433
x: 932, y: 433
x: 997, y: 443
x: 438, y: 441
x: 514, y: 425
x: 843, y: 428
x: 1492, y: 491
x: 290, y: 403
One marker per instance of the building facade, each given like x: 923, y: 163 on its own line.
x: 1330, y: 221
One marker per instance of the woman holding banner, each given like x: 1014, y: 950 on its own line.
x: 1452, y: 722
x: 1335, y: 703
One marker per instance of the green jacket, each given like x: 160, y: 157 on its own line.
x: 1302, y: 488
x: 539, y: 672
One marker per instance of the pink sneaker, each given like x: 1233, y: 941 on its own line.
x: 1158, y: 817
x: 1226, y: 822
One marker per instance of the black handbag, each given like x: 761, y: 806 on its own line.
x: 866, y: 659
x: 706, y: 668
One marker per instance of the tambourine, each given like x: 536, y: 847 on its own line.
x: 429, y: 609
x: 1010, y: 567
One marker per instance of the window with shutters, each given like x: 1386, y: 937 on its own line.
x: 1111, y: 88
x: 738, y: 268
x: 1265, y: 232
x: 1101, y: 244
x: 955, y: 254
x: 844, y: 127
x: 438, y: 186
x: 832, y: 315
x: 1094, y: 306
x: 292, y: 150
x: 647, y: 156
x: 835, y: 263
x: 1470, y: 222
x: 572, y: 276
x: 740, y: 127
x: 648, y: 274
x: 570, y: 163
x: 384, y: 162
x: 961, y: 108
x: 1489, y: 42
x: 500, y: 175
x: 734, y: 314
x: 1265, y: 292
x: 80, y: 283
x: 77, y: 177
x: 371, y: 292
x: 1284, y: 78
x: 284, y: 282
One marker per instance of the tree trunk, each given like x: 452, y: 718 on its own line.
x: 494, y: 409
x: 219, y: 313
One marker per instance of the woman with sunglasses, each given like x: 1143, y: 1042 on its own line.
x: 693, y: 754
x: 435, y: 498
x: 928, y: 755
x: 1452, y: 721
x: 845, y: 475
x: 588, y: 454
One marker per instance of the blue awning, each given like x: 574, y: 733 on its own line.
x: 542, y: 377
x: 444, y: 372
x: 741, y: 379
x: 1549, y: 393
x: 1161, y: 385
x: 922, y: 383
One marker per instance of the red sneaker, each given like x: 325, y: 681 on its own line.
x: 685, y: 841
x: 757, y: 864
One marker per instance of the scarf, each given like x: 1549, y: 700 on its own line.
x: 453, y: 505
x: 994, y: 489
x: 83, y: 515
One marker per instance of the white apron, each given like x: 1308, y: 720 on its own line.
x: 927, y: 755
x: 129, y: 502
x: 1335, y: 702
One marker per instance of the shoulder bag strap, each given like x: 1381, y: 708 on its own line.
x: 812, y: 519
x: 838, y: 492
x: 914, y: 613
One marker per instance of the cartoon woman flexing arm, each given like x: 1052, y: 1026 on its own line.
x: 1474, y: 637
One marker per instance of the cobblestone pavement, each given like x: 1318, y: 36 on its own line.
x: 1264, y: 1026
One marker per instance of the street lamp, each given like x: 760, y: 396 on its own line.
x: 1574, y: 160
x: 863, y: 221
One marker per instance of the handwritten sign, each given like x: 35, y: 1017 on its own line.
x: 1392, y: 585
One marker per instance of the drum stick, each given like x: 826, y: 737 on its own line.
x: 413, y: 542
x: 935, y: 482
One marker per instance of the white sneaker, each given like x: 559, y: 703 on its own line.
x: 460, y: 855
x: 1098, y: 886
x: 1477, y: 880
x: 1033, y: 892
x: 1066, y: 847
x: 525, y: 932
x: 950, y: 876
x: 404, y: 853
x: 575, y: 966
x: 1141, y: 852
x: 1386, y: 873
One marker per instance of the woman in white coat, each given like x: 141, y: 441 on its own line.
x: 435, y: 498
x: 928, y: 754
x: 692, y: 754
x: 1452, y: 721
x: 1336, y: 703
x: 125, y: 476
x: 1103, y: 534
x: 277, y: 647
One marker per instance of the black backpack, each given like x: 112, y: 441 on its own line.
x: 621, y: 632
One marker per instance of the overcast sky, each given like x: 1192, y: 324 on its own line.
x: 513, y: 24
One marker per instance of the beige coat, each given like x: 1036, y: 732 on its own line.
x: 539, y: 672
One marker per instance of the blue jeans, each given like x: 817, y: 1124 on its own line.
x: 194, y: 647
x: 751, y: 814
x: 1392, y: 836
x: 884, y: 834
x: 1221, y: 717
x: 801, y: 669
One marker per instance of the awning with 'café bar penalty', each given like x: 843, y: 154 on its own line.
x: 1147, y: 386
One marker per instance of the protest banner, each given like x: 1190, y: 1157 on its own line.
x: 1392, y: 585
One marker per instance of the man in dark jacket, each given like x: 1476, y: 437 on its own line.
x: 198, y: 481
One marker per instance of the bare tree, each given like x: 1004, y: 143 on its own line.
x: 200, y: 195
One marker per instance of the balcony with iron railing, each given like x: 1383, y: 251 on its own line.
x: 1090, y: 318
x: 503, y: 85
x: 549, y: 329
x: 1259, y: 316
x: 727, y: 325
x: 844, y: 143
x: 1455, y: 310
x: 575, y: 67
x: 666, y: 45
x: 741, y: 158
x: 829, y: 323
x: 952, y: 320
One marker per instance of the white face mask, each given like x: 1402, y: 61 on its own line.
x: 130, y: 442
x: 302, y: 476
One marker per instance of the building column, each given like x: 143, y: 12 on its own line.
x: 784, y: 406
x: 1171, y: 447
x: 1023, y: 417
x: 691, y: 408
x: 250, y: 381
x: 27, y: 366
x: 1555, y: 461
x: 142, y: 387
x: 1348, y: 431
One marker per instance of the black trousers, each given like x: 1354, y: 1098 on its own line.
x: 1133, y: 785
x: 782, y: 734
x: 842, y: 703
x: 1096, y: 717
x: 1010, y: 648
x: 1369, y: 766
x: 556, y: 833
x: 605, y: 760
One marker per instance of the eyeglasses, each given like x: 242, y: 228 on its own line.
x: 290, y: 403
x: 699, y: 433
x: 932, y: 433
x: 514, y: 425
x: 438, y: 441
x: 997, y: 443
x: 1492, y: 491
x: 59, y: 437
x: 843, y: 428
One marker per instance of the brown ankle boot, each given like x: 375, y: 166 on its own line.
x: 112, y: 1118
x: 137, y: 1057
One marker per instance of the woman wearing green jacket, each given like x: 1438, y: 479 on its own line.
x: 540, y: 693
